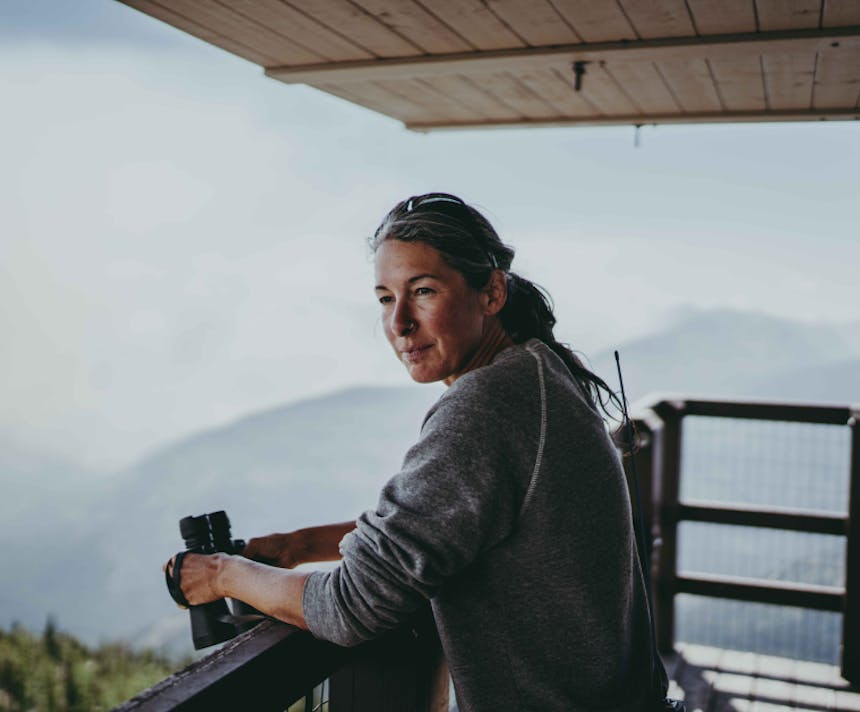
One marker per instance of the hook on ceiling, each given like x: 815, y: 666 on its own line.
x: 578, y: 73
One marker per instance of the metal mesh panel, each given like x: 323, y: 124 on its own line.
x: 768, y: 464
x: 795, y: 633
x: 762, y: 462
x: 761, y: 553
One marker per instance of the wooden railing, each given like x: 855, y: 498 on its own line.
x: 659, y: 463
x: 276, y: 667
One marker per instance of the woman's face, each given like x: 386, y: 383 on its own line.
x: 432, y: 318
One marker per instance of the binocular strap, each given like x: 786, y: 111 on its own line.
x: 172, y: 579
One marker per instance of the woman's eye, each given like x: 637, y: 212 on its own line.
x: 423, y: 290
x: 386, y: 299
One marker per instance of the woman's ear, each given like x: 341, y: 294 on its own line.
x: 495, y: 292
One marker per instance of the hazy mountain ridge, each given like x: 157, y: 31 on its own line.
x: 726, y: 353
x: 93, y: 557
x: 31, y: 476
x: 303, y: 463
x: 836, y: 382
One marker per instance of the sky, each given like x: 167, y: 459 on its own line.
x: 183, y: 240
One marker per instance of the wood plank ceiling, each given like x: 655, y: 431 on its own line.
x: 474, y: 63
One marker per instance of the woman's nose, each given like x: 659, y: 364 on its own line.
x: 402, y: 323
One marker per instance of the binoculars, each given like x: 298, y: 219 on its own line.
x: 211, y: 623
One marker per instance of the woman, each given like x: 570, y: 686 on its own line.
x: 510, y: 514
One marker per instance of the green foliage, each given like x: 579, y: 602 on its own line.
x: 56, y: 673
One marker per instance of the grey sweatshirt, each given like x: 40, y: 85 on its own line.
x: 511, y: 515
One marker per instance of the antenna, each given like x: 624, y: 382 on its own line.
x: 644, y: 549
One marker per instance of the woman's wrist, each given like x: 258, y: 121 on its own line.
x: 274, y: 591
x: 224, y: 565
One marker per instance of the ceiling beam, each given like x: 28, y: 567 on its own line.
x: 672, y: 48
x: 648, y: 119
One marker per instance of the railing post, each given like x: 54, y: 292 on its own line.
x: 666, y: 490
x: 644, y: 468
x: 401, y: 672
x: 851, y: 609
x: 647, y: 426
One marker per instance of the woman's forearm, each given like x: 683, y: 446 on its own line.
x: 273, y: 591
x: 323, y: 543
x: 302, y: 546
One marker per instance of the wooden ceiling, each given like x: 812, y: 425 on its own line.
x: 476, y: 63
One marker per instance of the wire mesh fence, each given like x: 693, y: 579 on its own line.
x: 762, y: 463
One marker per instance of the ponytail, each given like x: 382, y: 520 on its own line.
x: 528, y: 314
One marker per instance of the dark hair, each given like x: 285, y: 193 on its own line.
x: 470, y: 245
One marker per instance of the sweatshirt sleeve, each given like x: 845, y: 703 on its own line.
x: 454, y: 498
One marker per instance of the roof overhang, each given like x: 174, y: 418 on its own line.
x: 465, y: 63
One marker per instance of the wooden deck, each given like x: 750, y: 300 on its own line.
x: 715, y: 680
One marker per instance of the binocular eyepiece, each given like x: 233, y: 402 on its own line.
x: 211, y: 623
x: 209, y: 533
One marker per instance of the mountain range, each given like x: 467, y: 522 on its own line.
x: 723, y: 353
x: 89, y: 550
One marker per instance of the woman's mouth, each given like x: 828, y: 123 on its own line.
x: 414, y: 354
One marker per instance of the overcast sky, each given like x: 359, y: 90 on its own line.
x: 183, y: 240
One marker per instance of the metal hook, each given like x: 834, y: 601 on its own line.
x: 579, y: 73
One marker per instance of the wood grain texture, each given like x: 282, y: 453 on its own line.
x: 601, y: 90
x: 512, y: 92
x: 740, y: 83
x: 557, y: 89
x: 692, y: 84
x: 722, y: 47
x: 475, y: 22
x: 788, y: 14
x: 472, y: 59
x: 410, y: 20
x: 537, y: 22
x: 435, y: 103
x: 371, y: 96
x: 248, y: 32
x: 724, y: 17
x: 596, y: 21
x: 658, y: 18
x: 362, y: 28
x: 287, y: 21
x: 720, y: 117
x: 472, y: 95
x: 840, y: 12
x: 642, y: 82
x: 788, y: 80
x: 837, y: 76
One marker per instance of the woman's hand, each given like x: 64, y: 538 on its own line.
x: 299, y: 547
x: 275, y: 592
x: 199, y: 577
